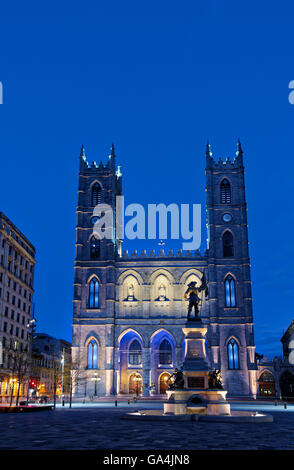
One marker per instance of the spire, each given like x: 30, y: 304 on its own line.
x: 82, y: 153
x: 208, y: 149
x: 208, y: 153
x: 239, y: 148
x: 83, y: 159
x: 112, y: 152
x: 112, y: 156
x: 239, y: 153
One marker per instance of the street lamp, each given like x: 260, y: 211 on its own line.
x: 31, y: 326
x: 96, y: 379
x: 62, y: 374
x: 137, y: 378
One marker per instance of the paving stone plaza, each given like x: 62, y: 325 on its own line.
x: 101, y: 427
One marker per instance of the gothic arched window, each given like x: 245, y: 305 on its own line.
x: 96, y: 194
x: 233, y: 354
x: 94, y: 248
x: 230, y: 291
x: 165, y: 352
x: 135, y: 353
x: 92, y: 354
x: 225, y: 192
x: 228, y: 244
x: 94, y: 293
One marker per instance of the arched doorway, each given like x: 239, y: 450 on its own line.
x: 287, y: 385
x: 163, y: 385
x: 135, y: 384
x: 267, y: 385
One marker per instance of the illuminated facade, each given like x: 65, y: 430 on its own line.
x: 129, y: 311
x: 17, y: 264
x: 276, y: 378
x: 46, y: 371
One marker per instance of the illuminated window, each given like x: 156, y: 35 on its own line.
x: 94, y: 248
x: 94, y: 293
x: 233, y: 354
x: 135, y: 353
x: 165, y: 352
x: 225, y: 192
x: 92, y: 355
x: 228, y: 245
x: 230, y: 292
x: 96, y: 194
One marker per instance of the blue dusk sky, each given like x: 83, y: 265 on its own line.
x: 158, y: 79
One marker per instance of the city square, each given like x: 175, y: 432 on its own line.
x: 101, y: 426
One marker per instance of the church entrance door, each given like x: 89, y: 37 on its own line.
x: 163, y: 385
x: 135, y: 384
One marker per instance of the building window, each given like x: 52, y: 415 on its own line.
x: 225, y: 192
x: 228, y: 244
x: 92, y: 354
x: 94, y: 248
x: 230, y: 291
x: 96, y: 194
x: 233, y: 354
x: 165, y: 352
x: 94, y: 293
x: 135, y: 353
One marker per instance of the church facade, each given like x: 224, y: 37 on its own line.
x: 129, y: 310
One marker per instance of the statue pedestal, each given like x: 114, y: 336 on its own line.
x: 196, y: 396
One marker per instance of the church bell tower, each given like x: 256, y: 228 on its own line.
x: 94, y: 275
x: 231, y: 335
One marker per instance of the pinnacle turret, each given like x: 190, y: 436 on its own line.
x: 82, y: 153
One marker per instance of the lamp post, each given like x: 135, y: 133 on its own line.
x: 62, y: 374
x: 137, y: 379
x: 31, y: 326
x: 96, y: 379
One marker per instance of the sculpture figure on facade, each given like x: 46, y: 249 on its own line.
x: 215, y: 380
x: 192, y: 295
x: 131, y: 293
x: 161, y: 293
x: 177, y: 379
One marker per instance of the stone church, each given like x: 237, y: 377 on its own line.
x: 129, y: 310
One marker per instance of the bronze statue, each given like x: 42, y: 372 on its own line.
x: 192, y: 294
x: 178, y: 380
x: 215, y: 380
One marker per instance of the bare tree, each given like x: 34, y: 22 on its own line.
x: 18, y: 364
x: 77, y: 377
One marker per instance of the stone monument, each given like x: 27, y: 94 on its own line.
x: 196, y: 389
x: 201, y: 390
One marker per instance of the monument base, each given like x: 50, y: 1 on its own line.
x: 197, y: 401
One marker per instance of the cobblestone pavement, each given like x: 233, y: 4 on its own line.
x: 103, y: 428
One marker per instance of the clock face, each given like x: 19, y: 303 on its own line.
x: 227, y: 217
x: 94, y: 220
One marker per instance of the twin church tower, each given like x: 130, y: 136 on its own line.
x: 129, y: 311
